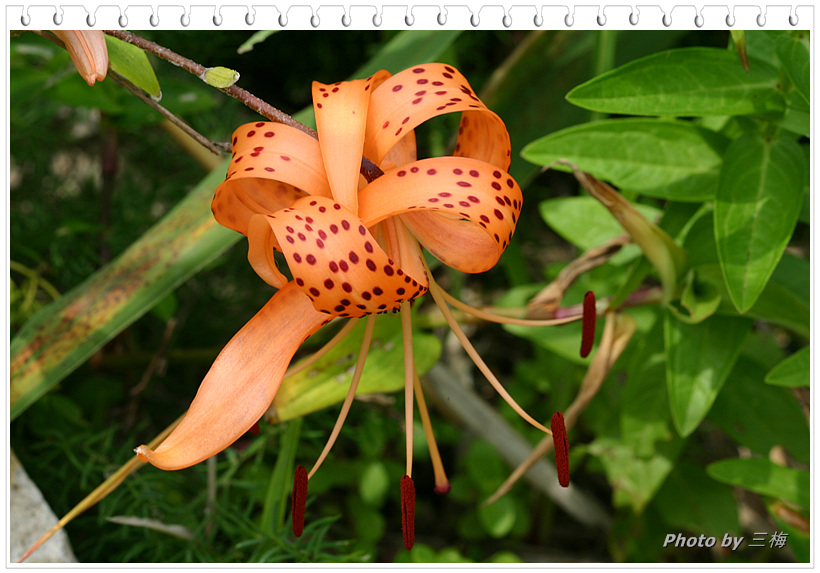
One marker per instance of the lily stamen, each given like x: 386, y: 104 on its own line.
x: 438, y: 297
x: 369, y: 326
x: 442, y: 483
x: 588, y: 332
x: 409, y: 374
x: 500, y: 319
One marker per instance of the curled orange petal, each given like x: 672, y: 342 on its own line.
x: 272, y: 166
x: 463, y: 210
x: 242, y: 382
x: 88, y: 52
x: 411, y: 97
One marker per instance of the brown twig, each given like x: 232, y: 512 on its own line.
x: 370, y: 170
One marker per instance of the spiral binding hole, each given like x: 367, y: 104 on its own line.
x: 633, y: 18
x: 122, y: 21
x: 217, y: 19
x: 538, y: 20
x: 154, y: 20
x: 667, y: 20
x: 761, y: 20
x: 90, y: 20
x: 699, y: 20
x: 506, y: 20
x: 377, y: 20
x: 250, y: 18
x: 730, y: 20
x: 409, y: 20
x: 793, y: 19
x: 441, y: 18
x: 25, y: 19
x: 474, y: 20
x: 601, y: 19
x: 346, y: 20
x: 57, y: 19
x: 569, y: 20
x: 314, y: 20
x: 283, y: 20
x: 185, y: 20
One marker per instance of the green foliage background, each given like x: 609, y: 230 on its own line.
x: 700, y: 417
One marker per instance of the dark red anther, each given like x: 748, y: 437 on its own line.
x: 408, y: 511
x: 588, y: 332
x: 559, y: 440
x: 300, y: 484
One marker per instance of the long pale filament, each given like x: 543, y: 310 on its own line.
x: 329, y: 345
x: 351, y: 393
x: 492, y: 317
x: 436, y: 291
x: 409, y: 374
x: 442, y: 483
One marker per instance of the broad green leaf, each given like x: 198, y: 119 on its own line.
x: 759, y: 198
x: 690, y: 500
x: 635, y: 479
x: 585, y: 223
x: 645, y: 417
x: 667, y: 159
x: 326, y: 382
x: 699, y: 359
x: 132, y: 63
x: 764, y: 477
x: 794, y: 51
x: 793, y: 372
x: 683, y: 82
x: 759, y: 416
x: 64, y: 334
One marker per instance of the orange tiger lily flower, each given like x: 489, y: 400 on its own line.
x: 88, y: 52
x: 353, y: 246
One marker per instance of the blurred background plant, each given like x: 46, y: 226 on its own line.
x: 663, y: 446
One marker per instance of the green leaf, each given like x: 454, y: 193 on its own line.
x: 327, y: 381
x: 281, y: 480
x: 683, y: 82
x: 634, y: 478
x: 794, y: 51
x: 759, y: 416
x: 759, y: 198
x: 256, y: 38
x: 132, y: 63
x: 690, y: 500
x: 498, y: 518
x: 645, y: 416
x: 586, y: 223
x: 666, y: 159
x: 764, y: 477
x: 700, y: 358
x: 67, y: 332
x: 793, y: 372
x: 374, y: 484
